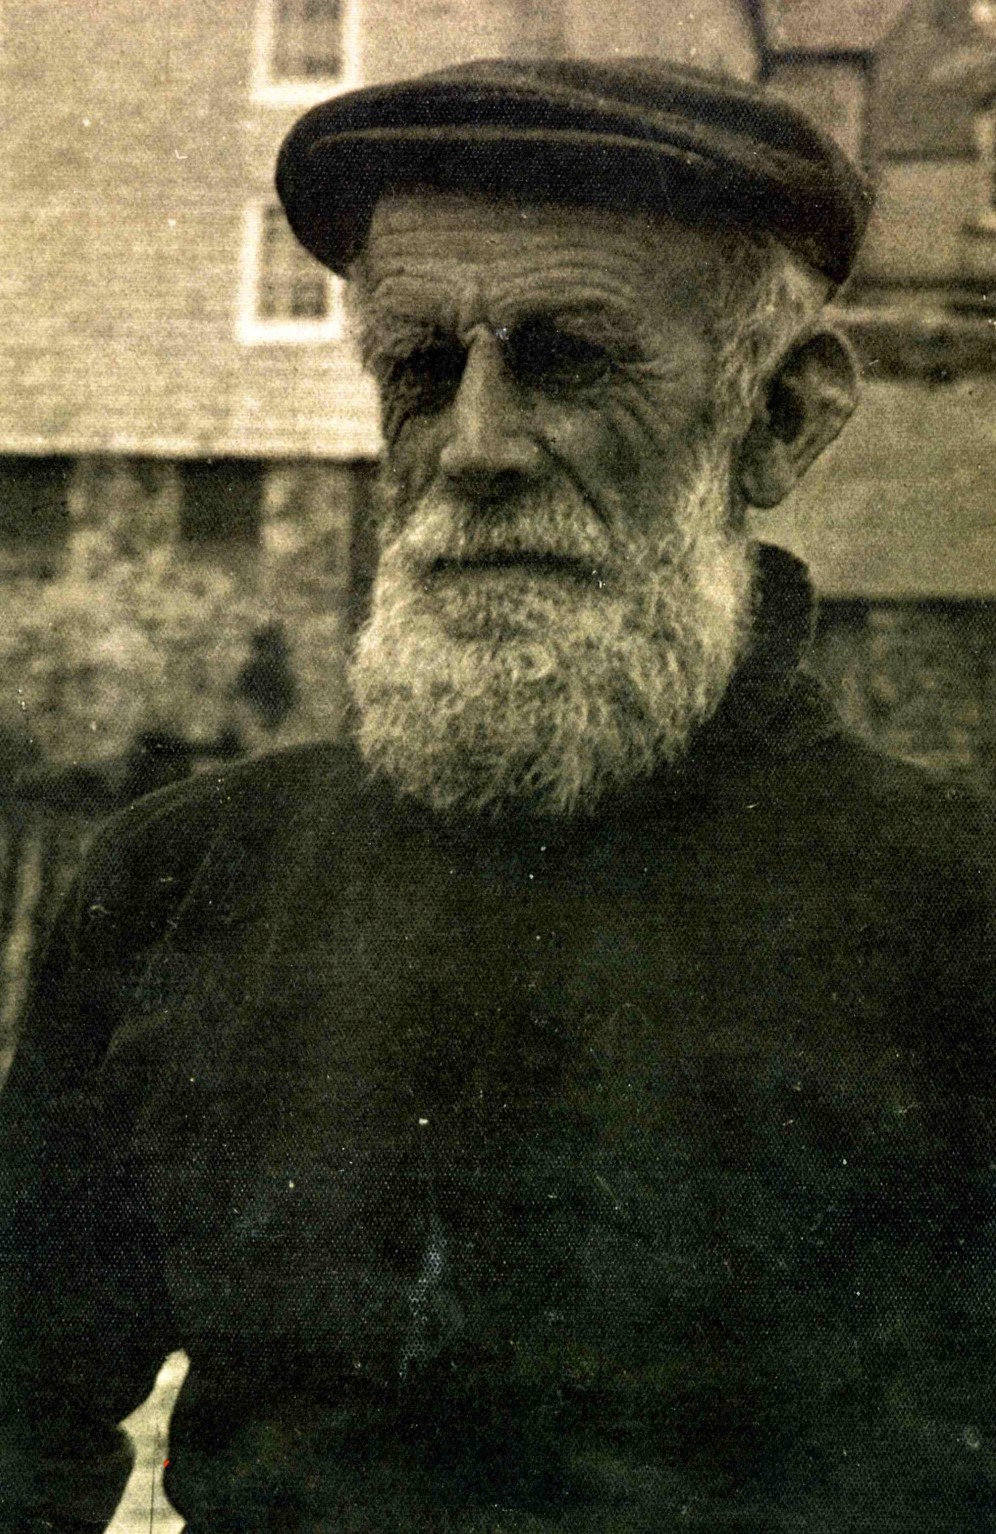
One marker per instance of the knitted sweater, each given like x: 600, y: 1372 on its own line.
x: 622, y: 1175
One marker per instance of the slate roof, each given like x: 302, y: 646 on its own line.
x: 828, y: 26
x: 931, y: 74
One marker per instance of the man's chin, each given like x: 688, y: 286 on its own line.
x: 462, y: 716
x: 501, y: 602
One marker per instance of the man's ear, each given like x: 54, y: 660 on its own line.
x: 808, y: 399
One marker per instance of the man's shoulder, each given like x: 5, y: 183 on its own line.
x: 212, y: 835
x: 908, y: 798
x: 252, y: 795
x: 814, y: 770
x: 891, y: 823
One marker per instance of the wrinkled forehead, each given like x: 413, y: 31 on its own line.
x: 456, y: 250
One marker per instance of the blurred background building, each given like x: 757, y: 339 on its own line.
x: 187, y: 442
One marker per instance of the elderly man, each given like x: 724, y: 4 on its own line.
x: 569, y: 1105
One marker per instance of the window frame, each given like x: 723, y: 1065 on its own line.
x: 272, y: 90
x: 256, y: 329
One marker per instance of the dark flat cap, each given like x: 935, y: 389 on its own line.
x: 636, y: 133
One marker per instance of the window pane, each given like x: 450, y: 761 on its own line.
x: 309, y: 299
x: 290, y: 283
x: 307, y: 40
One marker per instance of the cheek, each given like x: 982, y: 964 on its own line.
x: 620, y: 448
x: 411, y: 456
x: 586, y: 442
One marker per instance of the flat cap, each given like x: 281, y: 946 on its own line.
x: 633, y: 133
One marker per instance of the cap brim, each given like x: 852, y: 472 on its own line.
x: 330, y: 211
x: 681, y: 143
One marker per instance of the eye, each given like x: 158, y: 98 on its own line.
x: 543, y: 357
x: 426, y: 379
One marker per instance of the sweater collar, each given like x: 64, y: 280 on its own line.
x: 769, y: 677
x: 772, y: 708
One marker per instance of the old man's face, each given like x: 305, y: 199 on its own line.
x: 562, y: 591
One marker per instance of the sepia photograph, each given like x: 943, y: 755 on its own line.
x: 498, y: 767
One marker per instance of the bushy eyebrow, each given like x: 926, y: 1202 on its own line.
x: 609, y: 325
x: 388, y: 334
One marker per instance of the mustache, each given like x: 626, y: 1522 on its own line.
x: 537, y: 563
x: 551, y: 531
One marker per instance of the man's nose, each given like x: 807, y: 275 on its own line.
x: 489, y: 446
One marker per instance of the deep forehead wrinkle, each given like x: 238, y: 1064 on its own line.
x: 460, y: 261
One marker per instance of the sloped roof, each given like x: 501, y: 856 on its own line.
x: 828, y: 26
x: 931, y: 74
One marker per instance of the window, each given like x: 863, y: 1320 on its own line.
x: 305, y: 49
x: 221, y: 500
x: 307, y: 40
x: 286, y: 294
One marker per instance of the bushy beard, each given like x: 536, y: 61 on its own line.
x: 542, y: 687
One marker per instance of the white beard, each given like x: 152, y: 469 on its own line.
x: 544, y: 690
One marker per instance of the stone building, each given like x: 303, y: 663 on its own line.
x: 187, y: 442
x: 932, y: 126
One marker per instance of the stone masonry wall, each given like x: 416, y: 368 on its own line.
x: 130, y: 627
x: 918, y: 679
